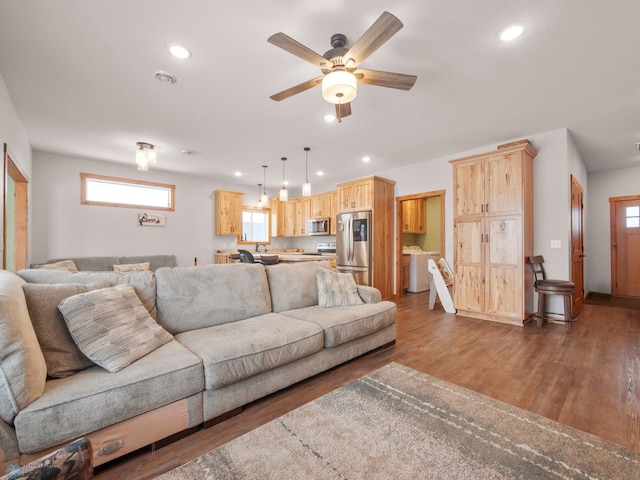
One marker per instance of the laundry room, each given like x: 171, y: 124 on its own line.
x: 421, y: 240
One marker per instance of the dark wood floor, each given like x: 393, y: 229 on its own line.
x: 589, y: 378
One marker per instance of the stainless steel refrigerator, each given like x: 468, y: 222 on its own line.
x: 353, y: 245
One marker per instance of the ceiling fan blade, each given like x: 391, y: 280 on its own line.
x: 289, y: 92
x: 382, y: 30
x: 385, y: 79
x: 296, y: 48
x: 343, y: 110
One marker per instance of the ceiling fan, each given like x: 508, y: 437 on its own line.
x: 340, y: 72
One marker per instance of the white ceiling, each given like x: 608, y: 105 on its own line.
x: 81, y: 76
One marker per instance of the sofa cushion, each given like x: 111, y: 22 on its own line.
x: 293, y: 285
x: 68, y: 265
x: 112, y: 327
x: 144, y: 283
x: 235, y: 351
x: 93, y: 264
x: 155, y: 261
x: 336, y: 289
x: 94, y: 398
x: 190, y: 298
x: 61, y: 353
x: 23, y: 371
x: 131, y: 267
x: 343, y: 324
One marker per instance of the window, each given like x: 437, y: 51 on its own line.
x: 255, y: 225
x: 633, y: 217
x: 122, y: 192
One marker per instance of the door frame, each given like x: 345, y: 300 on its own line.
x: 399, y: 200
x: 578, y: 298
x: 614, y: 239
x: 11, y: 170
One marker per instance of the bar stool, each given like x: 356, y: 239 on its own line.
x: 544, y: 286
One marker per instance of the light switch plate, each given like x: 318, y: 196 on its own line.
x: 555, y: 244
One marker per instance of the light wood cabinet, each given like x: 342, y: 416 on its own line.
x: 375, y: 194
x: 228, y: 212
x: 414, y: 216
x: 278, y: 217
x: 321, y: 205
x: 302, y: 215
x: 290, y: 218
x: 406, y: 272
x: 493, y: 234
x: 356, y: 195
x: 334, y: 211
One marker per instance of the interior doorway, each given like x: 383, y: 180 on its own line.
x: 577, y: 246
x: 428, y: 206
x: 15, y: 251
x: 625, y: 246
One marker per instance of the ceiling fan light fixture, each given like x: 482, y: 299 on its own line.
x: 339, y: 87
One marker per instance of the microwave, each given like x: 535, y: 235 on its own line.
x: 319, y: 226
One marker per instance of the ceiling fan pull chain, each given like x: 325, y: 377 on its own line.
x: 339, y: 95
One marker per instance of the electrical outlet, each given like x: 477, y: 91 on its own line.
x: 555, y: 244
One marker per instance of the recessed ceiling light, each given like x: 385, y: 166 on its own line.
x: 366, y: 158
x: 237, y: 174
x: 179, y: 51
x: 511, y: 33
x: 329, y: 117
x: 320, y: 173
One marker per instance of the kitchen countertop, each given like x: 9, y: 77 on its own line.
x: 297, y: 256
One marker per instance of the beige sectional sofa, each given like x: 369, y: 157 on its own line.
x: 238, y: 332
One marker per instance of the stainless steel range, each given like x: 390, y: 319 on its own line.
x: 327, y: 248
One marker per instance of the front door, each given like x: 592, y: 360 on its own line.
x: 577, y: 246
x: 625, y: 246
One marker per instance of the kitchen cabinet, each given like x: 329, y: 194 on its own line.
x: 356, y: 195
x: 321, y: 205
x: 406, y: 272
x: 290, y: 218
x: 414, y: 216
x: 493, y: 234
x: 334, y: 211
x: 377, y: 195
x: 302, y: 215
x: 278, y: 217
x: 228, y: 212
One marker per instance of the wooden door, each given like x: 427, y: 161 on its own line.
x: 625, y: 246
x: 468, y: 188
x: 469, y: 264
x: 577, y: 246
x: 15, y: 216
x: 504, y: 184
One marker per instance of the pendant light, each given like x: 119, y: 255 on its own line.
x: 284, y: 194
x: 264, y: 198
x: 306, y: 186
x: 259, y: 205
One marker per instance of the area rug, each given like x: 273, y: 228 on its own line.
x: 398, y: 423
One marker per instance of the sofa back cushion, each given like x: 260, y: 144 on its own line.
x: 23, y: 371
x: 144, y: 283
x: 293, y: 285
x: 189, y: 298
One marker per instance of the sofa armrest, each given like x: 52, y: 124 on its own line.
x: 8, y: 443
x: 369, y: 294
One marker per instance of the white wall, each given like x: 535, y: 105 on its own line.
x: 12, y: 133
x: 63, y: 227
x: 602, y: 186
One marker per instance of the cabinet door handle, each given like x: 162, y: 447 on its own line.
x: 486, y: 209
x: 482, y: 208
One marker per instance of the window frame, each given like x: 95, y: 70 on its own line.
x: 126, y: 181
x: 265, y: 210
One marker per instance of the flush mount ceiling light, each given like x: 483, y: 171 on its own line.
x: 511, y: 32
x: 306, y: 186
x: 179, y: 51
x: 284, y: 194
x: 145, y: 154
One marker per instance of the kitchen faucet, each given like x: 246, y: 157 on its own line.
x: 258, y: 245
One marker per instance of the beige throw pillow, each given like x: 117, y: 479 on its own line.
x: 68, y: 265
x: 112, y: 327
x: 132, y: 267
x: 336, y: 289
x: 62, y: 355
